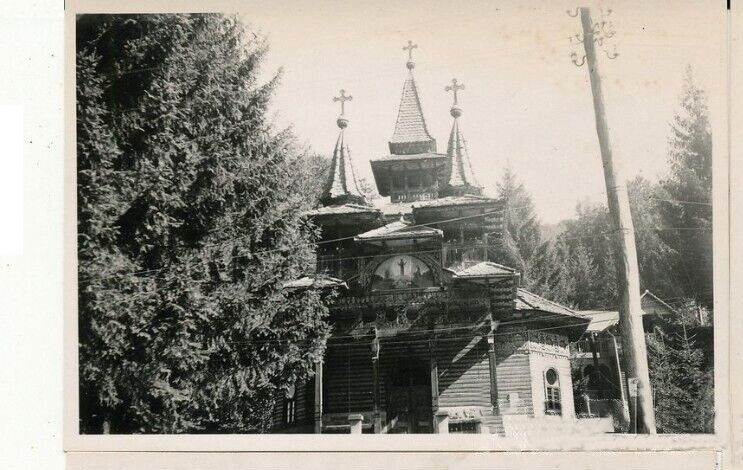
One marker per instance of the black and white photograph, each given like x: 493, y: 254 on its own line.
x: 411, y: 217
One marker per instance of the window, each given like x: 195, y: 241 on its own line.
x: 398, y: 182
x: 463, y: 428
x: 290, y: 404
x: 415, y: 180
x: 552, y: 392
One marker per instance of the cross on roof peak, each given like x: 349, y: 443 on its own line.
x: 455, y: 86
x: 342, y: 98
x: 410, y: 48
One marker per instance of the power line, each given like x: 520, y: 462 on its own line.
x: 588, y: 314
x: 290, y: 247
x: 681, y: 201
x: 422, y: 340
x: 557, y: 238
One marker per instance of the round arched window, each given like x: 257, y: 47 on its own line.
x: 552, y: 404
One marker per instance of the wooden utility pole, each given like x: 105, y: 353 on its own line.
x: 628, y: 276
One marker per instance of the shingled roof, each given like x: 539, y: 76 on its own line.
x: 526, y: 300
x: 315, y: 282
x: 461, y: 176
x: 341, y: 210
x: 411, y: 134
x: 601, y: 320
x: 485, y: 269
x: 341, y: 186
x: 400, y: 229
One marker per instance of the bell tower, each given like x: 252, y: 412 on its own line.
x: 413, y: 171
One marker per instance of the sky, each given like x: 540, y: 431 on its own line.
x: 525, y: 104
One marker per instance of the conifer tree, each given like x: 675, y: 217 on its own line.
x: 682, y: 380
x: 522, y: 234
x: 687, y: 215
x: 188, y: 225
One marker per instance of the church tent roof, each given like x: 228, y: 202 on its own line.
x: 461, y: 169
x: 341, y: 186
x: 411, y: 134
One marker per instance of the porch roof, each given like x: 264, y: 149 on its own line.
x: 526, y: 300
x: 342, y: 209
x: 399, y: 229
x: 485, y: 269
x: 601, y: 320
x: 315, y: 282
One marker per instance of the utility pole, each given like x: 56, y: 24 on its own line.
x: 628, y: 276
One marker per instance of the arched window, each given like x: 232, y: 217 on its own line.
x: 552, y: 392
x: 290, y: 403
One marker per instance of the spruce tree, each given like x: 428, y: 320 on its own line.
x: 188, y: 225
x: 655, y: 257
x: 682, y: 380
x: 522, y: 234
x: 687, y: 215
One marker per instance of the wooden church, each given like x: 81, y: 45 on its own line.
x: 430, y: 333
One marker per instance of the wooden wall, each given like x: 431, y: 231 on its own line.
x: 463, y: 371
x: 514, y: 381
x: 303, y: 410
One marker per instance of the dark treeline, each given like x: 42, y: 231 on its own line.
x: 672, y: 218
x: 673, y: 230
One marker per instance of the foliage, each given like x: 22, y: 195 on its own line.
x: 672, y: 221
x: 682, y: 376
x: 188, y: 225
x: 522, y: 235
x: 673, y: 235
x: 690, y: 179
x: 314, y: 169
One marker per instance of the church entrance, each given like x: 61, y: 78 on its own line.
x: 409, y: 398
